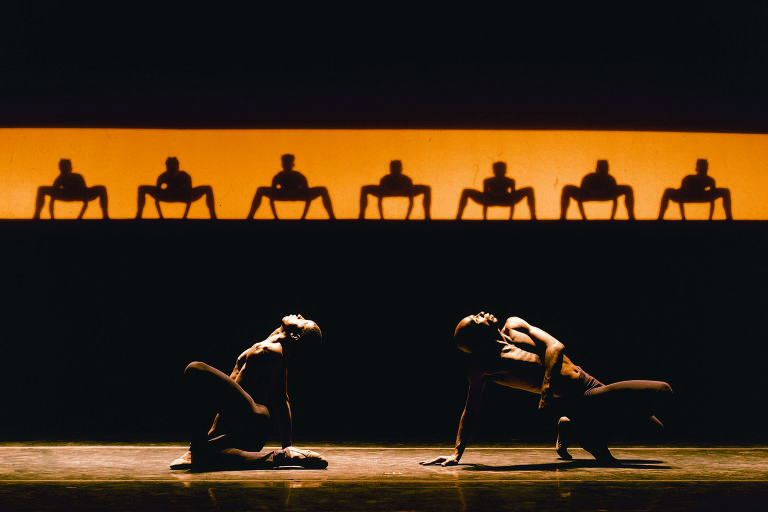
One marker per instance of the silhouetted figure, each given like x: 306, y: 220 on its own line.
x: 498, y: 190
x: 175, y: 186
x: 70, y: 187
x: 598, y: 186
x: 697, y: 188
x: 520, y: 356
x: 229, y: 415
x: 396, y: 184
x: 290, y: 185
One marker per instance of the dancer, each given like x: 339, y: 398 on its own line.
x: 697, y: 188
x: 291, y: 185
x: 70, y: 187
x: 396, y: 184
x: 498, y: 190
x: 229, y: 415
x: 598, y: 186
x: 521, y: 356
x: 175, y: 186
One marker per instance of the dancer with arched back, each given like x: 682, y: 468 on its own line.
x: 517, y: 355
x: 229, y: 415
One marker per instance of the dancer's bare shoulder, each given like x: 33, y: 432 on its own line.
x: 264, y: 350
x: 264, y: 357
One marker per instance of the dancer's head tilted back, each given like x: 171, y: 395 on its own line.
x: 477, y: 334
x: 302, y: 336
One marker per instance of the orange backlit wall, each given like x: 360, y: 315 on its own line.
x: 236, y: 162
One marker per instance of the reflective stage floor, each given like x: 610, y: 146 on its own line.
x: 137, y: 478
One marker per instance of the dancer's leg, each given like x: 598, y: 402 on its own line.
x: 602, y: 408
x: 240, y: 424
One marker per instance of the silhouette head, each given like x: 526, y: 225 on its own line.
x: 477, y: 334
x: 499, y: 169
x: 602, y: 167
x: 396, y: 167
x: 172, y: 164
x: 287, y: 161
x: 301, y: 335
x: 702, y: 166
x: 65, y: 166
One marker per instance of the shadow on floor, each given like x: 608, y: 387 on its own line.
x: 571, y: 464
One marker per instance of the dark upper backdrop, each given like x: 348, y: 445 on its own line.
x: 100, y: 318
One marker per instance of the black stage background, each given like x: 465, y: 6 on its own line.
x: 101, y: 317
x: 331, y: 65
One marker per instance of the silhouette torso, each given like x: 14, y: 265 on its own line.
x: 71, y: 183
x: 498, y: 187
x: 696, y: 184
x: 175, y: 182
x: 289, y: 183
x: 396, y: 184
x: 599, y: 184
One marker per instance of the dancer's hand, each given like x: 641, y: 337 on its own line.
x: 450, y: 460
x: 546, y: 409
x: 545, y: 402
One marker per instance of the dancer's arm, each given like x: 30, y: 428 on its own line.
x: 467, y: 423
x: 552, y: 357
x: 283, y: 412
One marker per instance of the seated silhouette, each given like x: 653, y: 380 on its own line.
x: 290, y: 185
x: 70, y: 187
x: 697, y: 188
x: 175, y: 186
x: 498, y: 190
x: 396, y: 184
x: 598, y: 186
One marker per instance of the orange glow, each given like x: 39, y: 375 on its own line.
x: 236, y: 162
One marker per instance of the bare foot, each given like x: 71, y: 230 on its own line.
x: 183, y: 462
x: 303, y: 458
x: 563, y: 438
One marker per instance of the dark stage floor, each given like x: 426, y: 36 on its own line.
x: 136, y: 477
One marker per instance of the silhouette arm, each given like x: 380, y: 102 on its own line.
x: 186, y: 187
x: 487, y: 186
x: 302, y: 185
x: 409, y: 191
x: 78, y: 182
x: 54, y: 190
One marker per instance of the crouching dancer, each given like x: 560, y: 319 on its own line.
x: 229, y: 416
x: 520, y: 356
